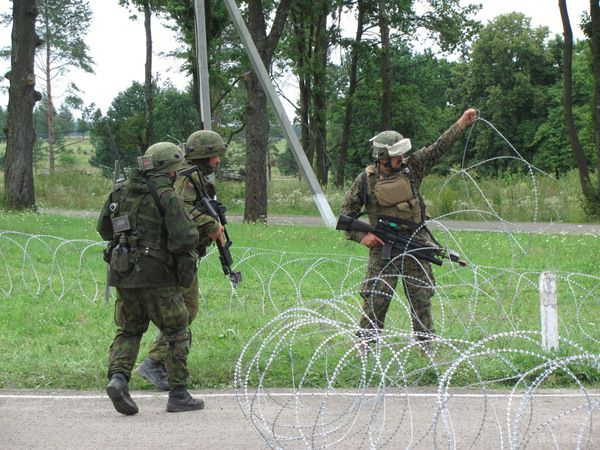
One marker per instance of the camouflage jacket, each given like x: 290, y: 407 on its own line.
x: 159, y: 241
x: 419, y: 163
x: 205, y: 223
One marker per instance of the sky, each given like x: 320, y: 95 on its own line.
x: 117, y: 45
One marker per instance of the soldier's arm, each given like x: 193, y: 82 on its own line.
x: 353, y: 203
x: 104, y: 224
x: 422, y: 161
x: 204, y: 222
x: 182, y: 235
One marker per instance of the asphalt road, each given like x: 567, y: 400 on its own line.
x: 87, y: 420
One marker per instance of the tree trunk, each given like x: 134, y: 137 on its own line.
x: 148, y: 77
x: 386, y: 80
x: 49, y: 102
x: 257, y: 123
x: 343, y: 154
x: 304, y: 54
x: 257, y: 141
x: 304, y: 119
x: 584, y: 173
x: 595, y: 38
x: 320, y: 94
x: 20, y: 136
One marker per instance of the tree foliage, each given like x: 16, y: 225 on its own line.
x: 121, y: 133
x: 509, y: 77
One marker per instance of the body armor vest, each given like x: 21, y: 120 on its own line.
x: 393, y: 196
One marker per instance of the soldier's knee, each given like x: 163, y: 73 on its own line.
x: 180, y: 340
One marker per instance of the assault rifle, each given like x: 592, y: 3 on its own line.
x: 215, y: 209
x: 389, y: 232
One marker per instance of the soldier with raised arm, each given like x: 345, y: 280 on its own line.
x: 389, y: 188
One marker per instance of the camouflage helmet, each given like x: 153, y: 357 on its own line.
x: 204, y: 144
x: 389, y: 143
x: 162, y: 157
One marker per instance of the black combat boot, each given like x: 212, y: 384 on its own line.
x: 180, y: 400
x: 118, y: 392
x: 155, y: 373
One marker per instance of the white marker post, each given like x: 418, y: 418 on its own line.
x: 549, y: 311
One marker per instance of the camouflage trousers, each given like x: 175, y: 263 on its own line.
x: 158, y: 351
x: 379, y: 285
x: 134, y: 309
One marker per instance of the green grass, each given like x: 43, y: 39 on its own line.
x: 54, y: 336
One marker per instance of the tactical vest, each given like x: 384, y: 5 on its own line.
x: 394, y: 196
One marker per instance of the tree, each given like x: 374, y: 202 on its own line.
x: 22, y: 96
x: 355, y: 46
x: 595, y: 41
x: 509, y: 76
x: 147, y: 7
x: 590, y: 194
x: 256, y: 119
x: 447, y: 23
x: 63, y: 25
x: 122, y: 131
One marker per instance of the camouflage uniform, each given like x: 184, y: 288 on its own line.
x: 205, y: 224
x: 201, y: 145
x: 382, y: 275
x: 162, y: 245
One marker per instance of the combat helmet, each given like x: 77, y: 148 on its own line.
x: 389, y: 143
x: 162, y: 157
x: 204, y: 144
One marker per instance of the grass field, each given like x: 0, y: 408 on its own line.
x: 56, y: 334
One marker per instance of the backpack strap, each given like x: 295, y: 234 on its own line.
x: 154, y: 194
x: 364, y: 187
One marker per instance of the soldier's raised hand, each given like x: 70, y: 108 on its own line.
x: 468, y: 117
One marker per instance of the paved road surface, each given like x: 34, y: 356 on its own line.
x: 82, y: 420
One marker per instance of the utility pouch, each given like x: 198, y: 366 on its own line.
x: 392, y: 191
x: 186, y: 267
x: 107, y: 252
x: 121, y: 258
x: 410, y: 210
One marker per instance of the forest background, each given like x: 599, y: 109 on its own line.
x: 349, y: 88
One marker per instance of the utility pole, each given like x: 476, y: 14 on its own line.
x: 202, y: 59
